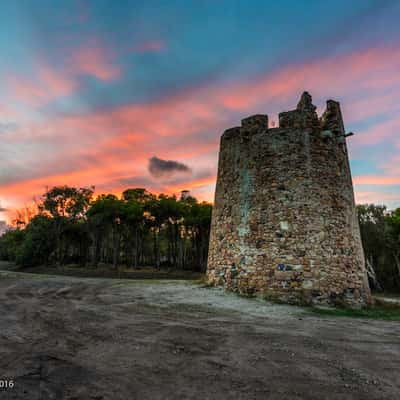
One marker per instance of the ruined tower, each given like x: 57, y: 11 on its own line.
x: 284, y: 221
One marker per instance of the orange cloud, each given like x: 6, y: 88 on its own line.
x: 111, y: 147
x: 192, y: 185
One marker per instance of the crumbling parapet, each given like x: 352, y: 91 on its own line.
x: 332, y: 118
x: 304, y: 116
x: 284, y: 223
x: 258, y: 121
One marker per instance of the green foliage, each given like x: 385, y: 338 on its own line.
x: 380, y: 234
x: 199, y: 215
x: 377, y: 312
x: 67, y: 202
x: 107, y: 210
x: 138, y: 195
x: 11, y: 243
x: 373, y: 229
x: 139, y: 228
x: 39, y: 242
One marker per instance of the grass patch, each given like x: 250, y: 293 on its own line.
x: 138, y: 274
x: 22, y: 275
x: 135, y: 282
x: 381, y: 311
x: 203, y: 282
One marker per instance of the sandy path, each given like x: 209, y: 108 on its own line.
x: 68, y: 338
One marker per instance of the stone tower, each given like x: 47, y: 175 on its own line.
x: 284, y: 221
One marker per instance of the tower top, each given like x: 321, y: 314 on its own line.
x: 303, y: 116
x: 305, y: 103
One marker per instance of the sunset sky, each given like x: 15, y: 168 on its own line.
x: 106, y: 92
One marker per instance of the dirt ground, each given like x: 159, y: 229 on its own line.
x: 102, y: 339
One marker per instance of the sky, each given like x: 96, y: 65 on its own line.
x: 120, y: 94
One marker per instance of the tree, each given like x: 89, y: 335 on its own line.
x: 65, y: 205
x: 134, y: 222
x: 393, y: 236
x: 11, y: 243
x: 373, y: 230
x: 198, y: 223
x: 106, y: 214
x: 380, y: 230
x: 138, y: 195
x: 170, y: 213
x: 39, y: 245
x: 22, y: 216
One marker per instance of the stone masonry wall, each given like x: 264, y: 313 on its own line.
x: 284, y: 221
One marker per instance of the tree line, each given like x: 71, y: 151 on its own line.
x: 136, y: 229
x: 70, y: 226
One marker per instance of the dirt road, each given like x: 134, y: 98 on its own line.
x: 99, y: 339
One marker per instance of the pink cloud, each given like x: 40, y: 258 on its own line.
x: 83, y: 11
x: 377, y: 180
x: 380, y: 103
x: 7, y: 112
x: 47, y: 84
x: 107, y: 147
x: 152, y: 46
x: 95, y: 61
x: 381, y: 131
x: 376, y: 197
x: 374, y: 70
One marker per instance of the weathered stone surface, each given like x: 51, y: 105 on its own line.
x: 258, y: 121
x: 284, y: 221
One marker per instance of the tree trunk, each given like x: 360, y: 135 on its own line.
x: 116, y: 242
x: 136, y: 246
x: 397, y: 261
x: 156, y: 250
x: 372, y: 275
x: 97, y: 249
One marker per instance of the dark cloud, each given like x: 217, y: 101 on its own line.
x: 159, y: 168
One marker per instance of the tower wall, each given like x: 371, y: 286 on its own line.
x: 284, y: 221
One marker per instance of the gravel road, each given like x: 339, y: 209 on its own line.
x: 103, y: 339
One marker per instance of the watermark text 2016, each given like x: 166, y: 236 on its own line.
x: 6, y: 384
